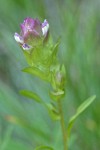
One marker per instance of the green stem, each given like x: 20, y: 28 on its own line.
x: 62, y: 125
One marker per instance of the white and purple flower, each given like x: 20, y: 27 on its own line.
x: 45, y: 27
x: 31, y: 29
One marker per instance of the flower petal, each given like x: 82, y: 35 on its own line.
x: 26, y: 47
x: 31, y: 26
x: 45, y: 27
x: 18, y: 38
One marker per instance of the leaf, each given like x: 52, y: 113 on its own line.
x: 57, y: 95
x: 44, y: 148
x: 53, y: 112
x: 51, y: 109
x: 55, y: 50
x: 31, y: 95
x: 37, y: 72
x: 55, y: 47
x: 80, y: 109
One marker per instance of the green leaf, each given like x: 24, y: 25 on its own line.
x: 53, y: 112
x: 80, y: 109
x: 44, y: 148
x: 55, y: 50
x: 37, y: 72
x: 31, y: 95
x: 57, y: 95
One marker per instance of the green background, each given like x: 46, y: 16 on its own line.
x: 77, y: 22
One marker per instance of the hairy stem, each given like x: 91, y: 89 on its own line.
x: 64, y: 134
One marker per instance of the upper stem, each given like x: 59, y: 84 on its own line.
x: 64, y: 134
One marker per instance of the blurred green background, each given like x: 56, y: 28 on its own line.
x: 78, y: 24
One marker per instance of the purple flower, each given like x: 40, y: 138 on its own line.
x: 31, y: 30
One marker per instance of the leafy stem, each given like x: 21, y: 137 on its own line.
x: 62, y: 122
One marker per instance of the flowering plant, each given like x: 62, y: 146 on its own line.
x: 41, y: 55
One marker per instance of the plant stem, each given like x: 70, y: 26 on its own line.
x: 62, y: 125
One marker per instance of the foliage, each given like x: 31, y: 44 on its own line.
x: 78, y: 25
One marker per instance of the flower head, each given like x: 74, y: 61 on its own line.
x: 31, y: 31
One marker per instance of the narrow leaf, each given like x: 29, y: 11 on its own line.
x: 80, y: 109
x: 53, y: 112
x: 37, y: 72
x: 31, y: 95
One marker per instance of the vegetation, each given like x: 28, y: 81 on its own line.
x: 24, y: 124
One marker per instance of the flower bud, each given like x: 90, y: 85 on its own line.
x: 32, y: 32
x: 60, y: 77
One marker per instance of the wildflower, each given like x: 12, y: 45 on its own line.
x: 31, y: 31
